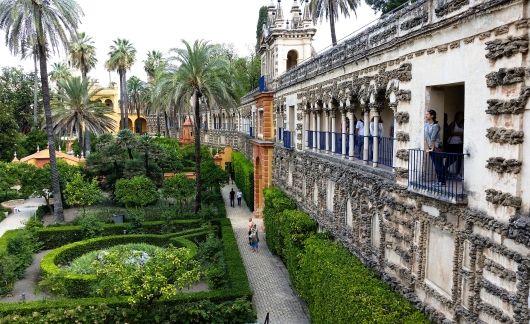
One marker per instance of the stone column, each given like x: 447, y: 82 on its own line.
x: 305, y: 128
x: 314, y: 129
x: 327, y: 131
x: 343, y: 133
x: 366, y: 134
x: 333, y: 131
x: 352, y: 135
x: 376, y: 139
x: 318, y: 129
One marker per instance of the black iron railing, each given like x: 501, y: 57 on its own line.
x: 251, y: 131
x: 437, y: 174
x: 338, y: 143
x: 287, y: 139
x: 322, y: 138
x: 280, y: 133
x: 310, y: 143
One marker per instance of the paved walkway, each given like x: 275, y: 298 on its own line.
x: 27, y: 285
x: 267, y: 275
x: 24, y: 211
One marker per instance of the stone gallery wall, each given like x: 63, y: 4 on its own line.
x: 455, y: 262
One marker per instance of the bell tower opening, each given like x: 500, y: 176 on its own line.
x: 292, y: 59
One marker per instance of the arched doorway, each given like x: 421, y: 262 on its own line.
x: 140, y: 125
x: 131, y: 125
x: 292, y: 59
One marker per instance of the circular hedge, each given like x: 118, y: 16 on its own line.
x: 79, y: 285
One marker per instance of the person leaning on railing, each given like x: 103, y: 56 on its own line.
x: 433, y: 143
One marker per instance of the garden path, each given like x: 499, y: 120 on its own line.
x: 24, y: 211
x: 27, y: 285
x: 268, y: 277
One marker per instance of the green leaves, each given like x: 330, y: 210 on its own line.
x: 244, y: 177
x: 138, y: 191
x: 82, y: 193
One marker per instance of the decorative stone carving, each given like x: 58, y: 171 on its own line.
x: 505, y: 136
x: 402, y: 137
x: 403, y: 154
x: 505, y: 77
x: 403, y: 95
x: 512, y: 106
x: 497, y: 197
x: 448, y: 7
x: 402, y: 173
x: 506, y: 47
x: 500, y: 165
x: 402, y: 117
x: 414, y: 21
x: 519, y: 229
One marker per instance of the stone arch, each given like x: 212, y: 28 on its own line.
x: 292, y: 59
x: 109, y: 103
x: 140, y: 125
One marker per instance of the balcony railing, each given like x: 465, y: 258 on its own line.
x: 287, y: 139
x: 310, y: 143
x: 338, y: 143
x: 322, y: 137
x: 251, y: 131
x: 437, y: 174
x: 280, y: 134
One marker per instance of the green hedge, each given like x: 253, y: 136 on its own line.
x: 244, y: 177
x: 334, y: 283
x: 55, y: 236
x: 79, y: 285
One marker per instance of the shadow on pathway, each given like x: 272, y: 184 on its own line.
x: 267, y: 275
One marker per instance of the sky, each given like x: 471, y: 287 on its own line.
x: 161, y: 24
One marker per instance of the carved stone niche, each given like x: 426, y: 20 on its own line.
x: 403, y: 154
x: 500, y: 165
x: 506, y: 47
x: 403, y: 95
x: 505, y: 77
x: 402, y: 173
x: 450, y: 6
x: 505, y: 136
x: 497, y: 197
x: 402, y: 117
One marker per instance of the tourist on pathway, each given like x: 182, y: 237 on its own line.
x: 250, y: 225
x: 253, y: 238
x: 239, y: 195
x: 232, y: 197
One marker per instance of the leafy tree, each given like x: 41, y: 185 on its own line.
x: 330, y: 9
x: 82, y: 193
x: 262, y: 19
x: 180, y: 188
x: 135, y: 89
x: 213, y: 175
x: 121, y: 58
x: 138, y: 191
x: 162, y: 276
x: 154, y: 66
x: 7, y: 179
x: 46, y: 24
x: 127, y: 141
x: 8, y: 138
x: 60, y: 72
x: 32, y: 140
x: 385, y: 6
x: 74, y: 112
x: 83, y: 54
x: 16, y: 91
x: 201, y: 76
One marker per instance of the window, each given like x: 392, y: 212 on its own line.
x: 292, y: 59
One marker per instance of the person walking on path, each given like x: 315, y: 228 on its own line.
x: 239, y: 195
x: 232, y: 197
x: 254, y: 238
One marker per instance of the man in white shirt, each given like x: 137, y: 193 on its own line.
x: 239, y: 195
x: 359, y: 138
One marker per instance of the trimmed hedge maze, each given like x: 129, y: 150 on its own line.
x: 230, y: 304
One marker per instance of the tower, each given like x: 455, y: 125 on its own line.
x: 286, y: 42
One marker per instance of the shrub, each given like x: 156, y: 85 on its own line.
x: 210, y: 254
x: 79, y: 192
x: 138, y: 191
x: 90, y: 226
x: 244, y: 177
x: 16, y: 254
x: 135, y: 220
x: 275, y: 203
x: 8, y: 272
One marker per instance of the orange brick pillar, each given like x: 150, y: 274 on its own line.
x: 263, y: 147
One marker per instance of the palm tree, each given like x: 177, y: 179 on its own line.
x: 121, y: 58
x: 83, y: 54
x: 154, y: 65
x: 201, y: 75
x: 60, y: 72
x: 329, y: 9
x: 135, y: 89
x: 74, y: 112
x: 50, y: 23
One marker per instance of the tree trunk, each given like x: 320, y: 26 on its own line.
x: 35, y: 93
x: 332, y: 24
x: 167, y: 123
x: 80, y: 138
x: 125, y: 101
x: 138, y: 129
x: 83, y: 69
x: 196, y: 124
x: 158, y: 122
x: 56, y: 185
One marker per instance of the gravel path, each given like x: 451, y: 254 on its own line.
x: 267, y: 275
x: 23, y: 212
x: 26, y: 286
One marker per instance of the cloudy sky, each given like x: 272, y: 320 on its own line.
x: 161, y: 24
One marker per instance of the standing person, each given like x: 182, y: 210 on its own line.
x: 239, y: 195
x: 232, y: 197
x: 433, y: 145
x: 254, y: 238
x: 455, y: 143
x: 359, y: 137
x: 249, y: 227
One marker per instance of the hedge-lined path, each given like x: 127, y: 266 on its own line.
x: 28, y: 284
x: 24, y: 211
x: 267, y: 275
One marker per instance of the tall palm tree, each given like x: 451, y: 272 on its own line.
x: 75, y: 112
x: 201, y: 75
x: 60, y: 72
x: 121, y: 58
x: 33, y: 51
x: 83, y: 54
x: 50, y: 22
x: 135, y: 89
x: 154, y: 65
x: 329, y: 9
